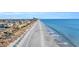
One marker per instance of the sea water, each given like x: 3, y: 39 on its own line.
x: 68, y: 27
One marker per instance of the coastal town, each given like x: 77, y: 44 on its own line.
x: 30, y: 33
x: 11, y: 29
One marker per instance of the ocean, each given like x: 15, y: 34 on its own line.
x: 68, y: 27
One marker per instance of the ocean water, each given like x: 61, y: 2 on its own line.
x: 68, y: 27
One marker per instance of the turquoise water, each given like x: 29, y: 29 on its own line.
x: 68, y: 27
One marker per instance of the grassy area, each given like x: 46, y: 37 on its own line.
x: 11, y: 34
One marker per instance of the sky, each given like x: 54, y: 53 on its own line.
x: 40, y: 15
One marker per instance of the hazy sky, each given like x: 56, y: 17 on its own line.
x: 41, y: 15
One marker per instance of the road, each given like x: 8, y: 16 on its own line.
x: 37, y: 37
